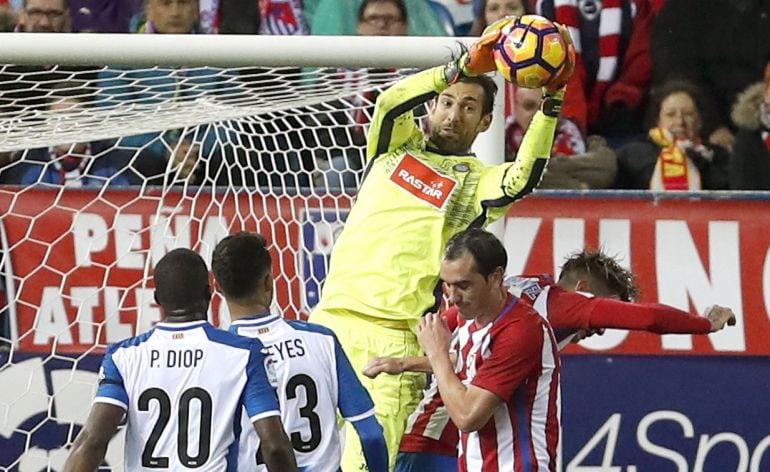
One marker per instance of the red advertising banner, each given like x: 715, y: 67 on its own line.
x: 686, y: 252
x: 79, y: 261
x: 79, y: 265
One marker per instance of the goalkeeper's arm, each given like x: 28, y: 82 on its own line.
x: 393, y: 122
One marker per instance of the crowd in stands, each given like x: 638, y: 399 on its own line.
x: 667, y: 94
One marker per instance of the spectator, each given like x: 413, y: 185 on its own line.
x: 750, y: 164
x: 71, y: 164
x: 164, y: 85
x: 44, y: 16
x: 608, y: 91
x: 382, y: 18
x: 25, y: 88
x: 338, y: 17
x: 674, y: 157
x: 571, y: 166
x: 722, y: 49
x: 490, y: 11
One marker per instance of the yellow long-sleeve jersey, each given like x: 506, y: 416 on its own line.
x: 385, y: 264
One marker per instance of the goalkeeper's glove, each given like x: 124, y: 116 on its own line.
x: 479, y: 58
x: 554, y: 90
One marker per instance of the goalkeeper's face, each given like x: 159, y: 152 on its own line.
x: 457, y: 117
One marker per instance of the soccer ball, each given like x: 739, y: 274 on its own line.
x: 530, y: 51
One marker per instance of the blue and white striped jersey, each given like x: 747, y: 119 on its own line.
x: 313, y: 378
x: 184, y: 386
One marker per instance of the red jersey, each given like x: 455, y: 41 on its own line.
x: 429, y: 428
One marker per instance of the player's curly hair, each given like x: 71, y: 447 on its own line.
x: 604, y: 271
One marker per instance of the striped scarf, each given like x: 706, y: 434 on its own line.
x: 611, y: 20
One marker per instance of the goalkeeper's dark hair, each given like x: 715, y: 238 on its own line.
x: 490, y: 90
x: 487, y: 251
x: 240, y: 262
x: 182, y: 285
x: 606, y: 276
x: 399, y: 4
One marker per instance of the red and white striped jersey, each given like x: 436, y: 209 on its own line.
x: 514, y: 357
x: 429, y: 429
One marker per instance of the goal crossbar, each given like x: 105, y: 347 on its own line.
x: 227, y: 50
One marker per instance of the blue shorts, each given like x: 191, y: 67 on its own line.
x: 425, y: 462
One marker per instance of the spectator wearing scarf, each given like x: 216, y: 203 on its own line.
x: 674, y: 155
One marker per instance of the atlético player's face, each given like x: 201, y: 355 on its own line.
x: 457, y: 117
x: 473, y: 294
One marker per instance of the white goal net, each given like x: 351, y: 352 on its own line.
x: 106, y: 168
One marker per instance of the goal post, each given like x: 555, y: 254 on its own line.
x: 132, y: 145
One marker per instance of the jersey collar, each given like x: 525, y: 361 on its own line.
x: 180, y: 326
x: 256, y: 320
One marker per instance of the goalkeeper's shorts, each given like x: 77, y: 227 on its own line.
x: 395, y: 396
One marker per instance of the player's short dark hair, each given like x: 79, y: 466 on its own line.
x: 487, y: 251
x: 182, y: 283
x: 399, y: 4
x: 490, y: 90
x: 239, y: 263
x: 603, y: 272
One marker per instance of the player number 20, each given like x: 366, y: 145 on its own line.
x: 183, y: 412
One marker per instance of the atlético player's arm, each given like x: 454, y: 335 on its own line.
x: 574, y: 310
x: 89, y: 448
x: 470, y: 407
x: 393, y: 122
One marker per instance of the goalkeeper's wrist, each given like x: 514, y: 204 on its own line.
x: 455, y: 69
x: 552, y: 102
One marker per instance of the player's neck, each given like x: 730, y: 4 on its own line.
x: 493, y: 309
x: 240, y: 310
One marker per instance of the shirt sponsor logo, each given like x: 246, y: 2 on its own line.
x: 177, y: 336
x: 423, y: 182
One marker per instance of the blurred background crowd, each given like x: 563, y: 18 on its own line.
x: 667, y: 94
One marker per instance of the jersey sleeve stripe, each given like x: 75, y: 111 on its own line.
x: 355, y: 418
x: 111, y: 401
x: 264, y: 414
x: 386, y: 130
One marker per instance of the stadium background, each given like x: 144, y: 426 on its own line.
x: 631, y: 401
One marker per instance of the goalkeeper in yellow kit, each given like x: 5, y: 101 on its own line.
x: 417, y: 192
